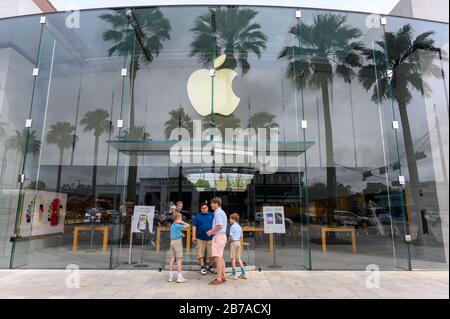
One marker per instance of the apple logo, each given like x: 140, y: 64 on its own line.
x: 221, y: 184
x: 199, y: 90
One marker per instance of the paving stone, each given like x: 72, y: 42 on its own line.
x: 106, y: 284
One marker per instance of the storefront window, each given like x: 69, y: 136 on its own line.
x: 312, y: 119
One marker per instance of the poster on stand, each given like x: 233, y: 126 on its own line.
x: 143, y: 219
x: 274, y: 219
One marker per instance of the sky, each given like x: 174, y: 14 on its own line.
x: 378, y: 6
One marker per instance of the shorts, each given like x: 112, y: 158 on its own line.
x: 218, y: 245
x: 176, y: 249
x: 204, y: 246
x: 235, y: 250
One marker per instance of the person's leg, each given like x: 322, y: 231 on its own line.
x: 179, y: 266
x: 233, y: 267
x: 224, y: 243
x: 223, y: 267
x: 171, y: 260
x: 241, y: 264
x: 210, y: 256
x: 220, y: 268
x: 200, y: 253
x: 211, y: 262
x: 179, y: 254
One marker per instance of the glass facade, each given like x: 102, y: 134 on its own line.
x: 336, y: 117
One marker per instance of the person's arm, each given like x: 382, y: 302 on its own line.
x: 186, y: 225
x: 230, y: 236
x: 194, y: 229
x: 214, y: 230
x: 194, y: 233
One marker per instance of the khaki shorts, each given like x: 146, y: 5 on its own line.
x: 204, y: 246
x: 235, y: 250
x: 218, y: 245
x: 176, y: 249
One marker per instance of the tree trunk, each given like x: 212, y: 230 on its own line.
x: 414, y: 187
x: 3, y: 166
x: 331, y: 169
x: 58, y: 179
x: 132, y: 167
x: 132, y: 178
x: 94, y: 169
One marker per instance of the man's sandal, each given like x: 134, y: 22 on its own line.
x: 216, y: 282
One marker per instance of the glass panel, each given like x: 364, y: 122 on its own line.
x: 161, y: 67
x: 300, y: 111
x: 416, y: 55
x: 345, y: 175
x: 18, y: 56
x: 76, y: 103
x: 251, y: 39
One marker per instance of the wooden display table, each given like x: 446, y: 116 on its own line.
x: 337, y: 230
x: 188, y: 236
x: 249, y: 229
x: 104, y: 228
x: 167, y: 228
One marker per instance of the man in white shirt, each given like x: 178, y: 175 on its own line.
x: 219, y: 240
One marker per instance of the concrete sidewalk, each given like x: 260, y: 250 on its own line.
x: 267, y: 284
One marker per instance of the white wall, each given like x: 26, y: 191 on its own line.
x: 424, y: 9
x: 11, y: 8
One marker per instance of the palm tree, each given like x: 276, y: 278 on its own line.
x: 62, y: 135
x: 236, y: 35
x: 2, y: 135
x: 98, y: 122
x: 151, y: 29
x: 263, y: 120
x: 19, y: 142
x: 2, y: 130
x: 178, y: 118
x: 222, y: 122
x: 326, y: 48
x: 395, y: 63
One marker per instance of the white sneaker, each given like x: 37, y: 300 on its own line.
x: 181, y: 280
x: 170, y: 279
x: 203, y: 271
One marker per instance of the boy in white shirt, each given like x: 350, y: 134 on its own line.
x: 235, y: 246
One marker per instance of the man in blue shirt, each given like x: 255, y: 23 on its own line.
x: 201, y: 224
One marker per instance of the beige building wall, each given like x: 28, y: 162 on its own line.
x: 423, y: 9
x: 11, y: 8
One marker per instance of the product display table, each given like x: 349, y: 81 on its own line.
x: 337, y: 230
x: 167, y: 228
x: 103, y: 228
x: 245, y: 229
x: 248, y: 229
